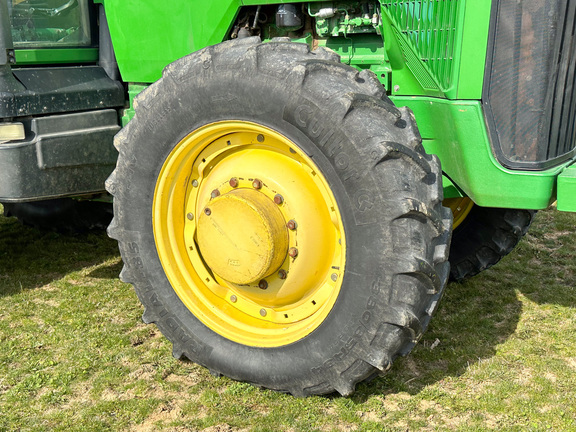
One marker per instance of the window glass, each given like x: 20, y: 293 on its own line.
x: 49, y: 23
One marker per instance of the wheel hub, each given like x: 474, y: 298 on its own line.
x: 249, y: 233
x: 242, y: 236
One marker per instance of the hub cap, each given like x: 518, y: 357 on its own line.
x: 242, y: 236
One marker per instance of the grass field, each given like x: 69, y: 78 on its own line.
x: 74, y: 354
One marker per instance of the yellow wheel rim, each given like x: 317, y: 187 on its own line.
x: 460, y: 208
x: 249, y: 233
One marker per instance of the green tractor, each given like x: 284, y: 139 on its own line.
x: 278, y: 197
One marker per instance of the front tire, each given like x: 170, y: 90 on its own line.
x: 220, y: 136
x: 483, y: 236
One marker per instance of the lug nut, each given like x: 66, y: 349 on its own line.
x: 190, y: 216
x: 334, y: 277
x: 291, y: 224
x: 233, y: 298
x: 207, y: 211
x: 257, y: 184
x: 263, y: 312
x: 233, y: 182
x: 278, y: 199
x: 260, y: 138
x: 282, y: 274
x: 215, y: 193
x: 293, y: 252
x: 263, y: 284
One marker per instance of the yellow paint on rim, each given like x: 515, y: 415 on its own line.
x: 460, y: 208
x: 249, y: 233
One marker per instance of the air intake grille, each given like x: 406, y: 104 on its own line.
x: 530, y: 92
x: 431, y: 27
x: 563, y: 105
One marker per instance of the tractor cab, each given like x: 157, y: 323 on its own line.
x: 59, y: 95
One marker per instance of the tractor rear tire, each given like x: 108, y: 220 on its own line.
x: 63, y: 215
x: 484, y: 237
x: 244, y: 134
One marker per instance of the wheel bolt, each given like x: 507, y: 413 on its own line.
x: 207, y: 211
x: 291, y: 224
x: 263, y: 312
x: 195, y: 183
x: 190, y: 216
x: 233, y: 298
x: 278, y: 199
x: 263, y: 284
x: 233, y: 182
x: 215, y: 193
x: 334, y: 277
x: 257, y: 184
x: 260, y: 138
x: 293, y: 252
x: 282, y: 274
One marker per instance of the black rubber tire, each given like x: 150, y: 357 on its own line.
x: 64, y: 215
x: 484, y: 238
x: 370, y: 152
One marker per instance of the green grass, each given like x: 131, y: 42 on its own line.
x: 74, y: 354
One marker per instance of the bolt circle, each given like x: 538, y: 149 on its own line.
x: 293, y: 252
x: 190, y: 216
x: 257, y: 184
x: 263, y: 284
x: 207, y: 211
x: 282, y: 274
x: 263, y: 312
x: 233, y: 298
x: 291, y: 224
x: 278, y: 199
x: 215, y: 193
x: 233, y: 182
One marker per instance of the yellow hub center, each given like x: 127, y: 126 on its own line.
x: 460, y: 208
x: 242, y: 236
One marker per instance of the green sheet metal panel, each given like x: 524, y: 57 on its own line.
x: 456, y: 132
x: 567, y: 189
x: 148, y: 35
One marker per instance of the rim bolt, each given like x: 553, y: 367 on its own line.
x: 207, y: 211
x: 195, y: 183
x: 260, y: 138
x: 293, y: 252
x: 334, y: 277
x: 282, y: 274
x: 233, y: 182
x: 263, y: 312
x: 257, y: 184
x: 215, y: 193
x: 278, y: 199
x: 263, y: 284
x: 233, y: 298
x: 190, y: 216
x: 291, y: 224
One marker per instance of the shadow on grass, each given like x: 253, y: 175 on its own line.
x: 30, y: 258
